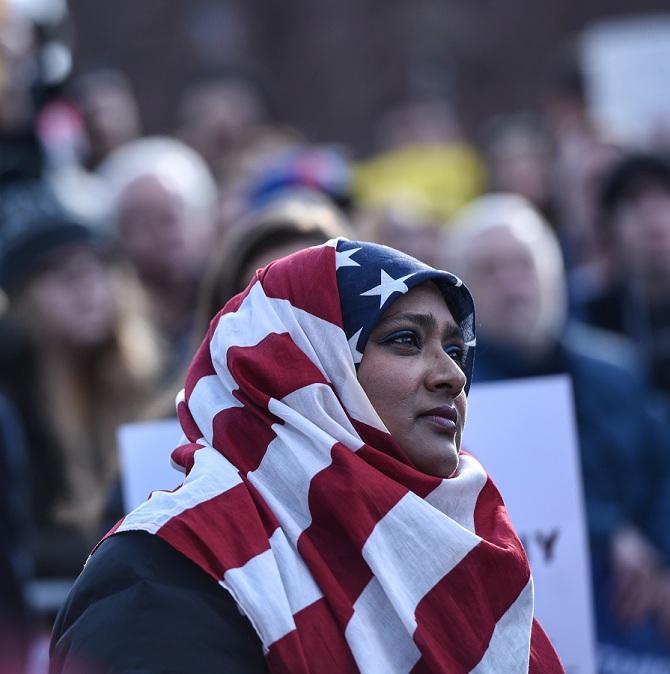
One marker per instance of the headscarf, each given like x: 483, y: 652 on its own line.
x: 297, y: 501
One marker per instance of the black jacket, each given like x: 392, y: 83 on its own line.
x: 139, y: 606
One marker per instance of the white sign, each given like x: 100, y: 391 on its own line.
x: 626, y: 64
x: 144, y: 456
x: 523, y: 432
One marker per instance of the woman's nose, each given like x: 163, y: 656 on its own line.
x: 445, y: 374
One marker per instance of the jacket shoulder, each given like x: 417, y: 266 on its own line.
x: 141, y: 606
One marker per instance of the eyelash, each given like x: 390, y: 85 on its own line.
x: 396, y: 337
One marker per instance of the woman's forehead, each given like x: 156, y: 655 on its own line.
x: 426, y: 299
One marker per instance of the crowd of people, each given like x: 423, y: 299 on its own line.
x: 117, y: 249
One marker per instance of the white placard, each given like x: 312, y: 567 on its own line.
x: 144, y: 457
x: 626, y: 64
x: 523, y: 432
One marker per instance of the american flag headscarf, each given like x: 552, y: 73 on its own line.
x: 297, y: 501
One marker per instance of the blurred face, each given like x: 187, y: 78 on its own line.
x: 503, y: 277
x: 642, y: 228
x: 164, y: 241
x: 411, y: 373
x: 522, y: 166
x: 110, y: 115
x: 70, y: 302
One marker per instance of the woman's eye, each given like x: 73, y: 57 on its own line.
x: 404, y: 338
x: 455, y: 353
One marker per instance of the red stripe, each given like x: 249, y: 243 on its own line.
x: 201, y: 365
x: 543, y: 657
x: 457, y: 617
x: 267, y: 517
x: 242, y: 435
x: 286, y: 656
x: 308, y: 280
x: 317, y: 645
x: 346, y: 500
x: 184, y: 456
x: 221, y: 533
x: 492, y: 522
x: 273, y: 368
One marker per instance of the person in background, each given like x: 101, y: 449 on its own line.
x: 510, y: 258
x: 322, y: 169
x: 294, y: 220
x: 518, y: 154
x: 109, y: 113
x: 402, y: 226
x: 21, y: 155
x: 164, y: 214
x: 93, y: 358
x: 424, y: 162
x: 635, y: 229
x: 220, y: 118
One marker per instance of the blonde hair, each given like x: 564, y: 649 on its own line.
x: 517, y: 215
x: 171, y: 162
x: 84, y: 399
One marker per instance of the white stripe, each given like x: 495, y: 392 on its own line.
x: 414, y: 535
x: 316, y: 411
x: 324, y: 343
x: 283, y: 477
x: 257, y: 589
x: 299, y: 585
x: 509, y: 648
x: 457, y: 496
x: 210, y: 396
x: 378, y: 640
x: 313, y: 422
x: 210, y: 476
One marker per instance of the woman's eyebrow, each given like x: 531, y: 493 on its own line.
x: 425, y: 321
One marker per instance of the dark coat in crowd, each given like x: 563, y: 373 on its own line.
x: 621, y: 310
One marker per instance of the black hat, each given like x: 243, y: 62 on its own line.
x: 631, y: 176
x: 26, y: 241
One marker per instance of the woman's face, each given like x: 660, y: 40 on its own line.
x: 411, y: 373
x: 71, y: 301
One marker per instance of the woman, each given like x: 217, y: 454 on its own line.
x: 329, y: 521
x: 89, y: 362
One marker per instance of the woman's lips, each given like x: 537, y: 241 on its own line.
x: 443, y: 417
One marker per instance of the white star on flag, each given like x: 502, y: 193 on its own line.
x: 353, y: 341
x: 387, y: 286
x: 343, y: 258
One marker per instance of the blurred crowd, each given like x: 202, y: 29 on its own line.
x: 117, y: 249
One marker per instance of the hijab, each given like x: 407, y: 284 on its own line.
x: 298, y: 502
